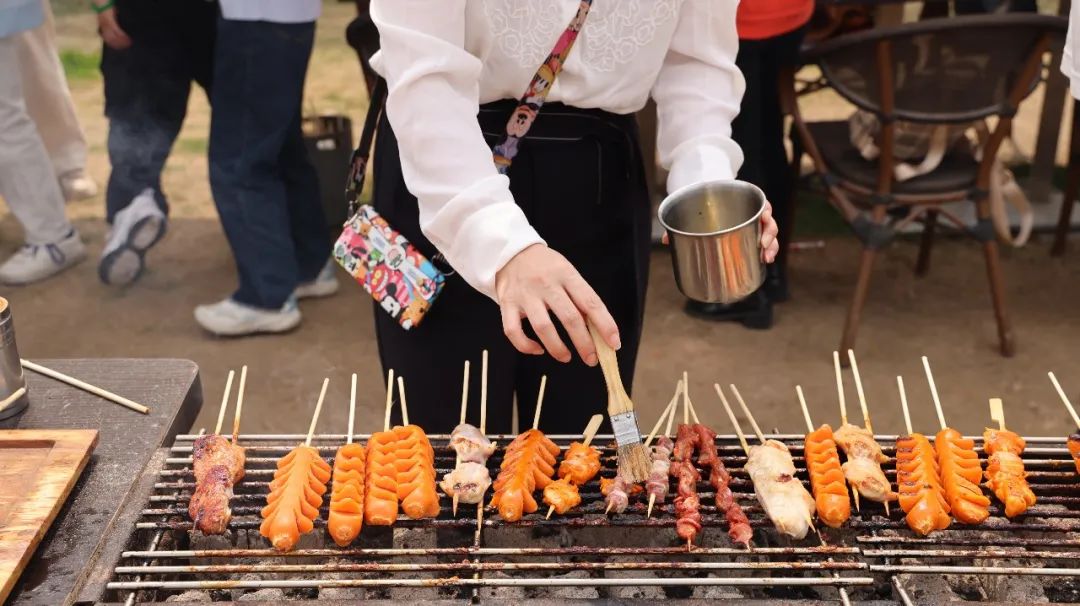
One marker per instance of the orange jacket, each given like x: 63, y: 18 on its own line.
x: 759, y: 19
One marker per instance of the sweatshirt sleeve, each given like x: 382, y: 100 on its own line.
x: 698, y: 93
x: 466, y: 208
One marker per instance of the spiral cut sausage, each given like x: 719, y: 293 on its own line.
x: 295, y: 497
x: 827, y: 477
x: 380, y: 496
x: 527, y: 465
x: 1074, y: 449
x: 922, y: 496
x: 415, y: 478
x: 1005, y: 474
x: 347, y: 494
x: 960, y: 477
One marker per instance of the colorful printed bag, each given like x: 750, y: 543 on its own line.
x: 403, y: 281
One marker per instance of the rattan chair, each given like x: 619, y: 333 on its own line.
x: 941, y: 71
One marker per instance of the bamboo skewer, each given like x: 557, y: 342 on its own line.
x: 83, y: 385
x: 844, y: 419
x: 805, y: 409
x: 224, y: 402
x: 997, y: 412
x: 239, y: 403
x: 461, y: 421
x: 352, y: 409
x: 1064, y: 399
x: 686, y: 398
x: 404, y: 404
x: 904, y: 404
x: 389, y: 399
x: 318, y: 409
x: 734, y: 421
x: 483, y: 393
x: 934, y: 393
x: 539, y: 402
x: 587, y: 438
x: 862, y: 404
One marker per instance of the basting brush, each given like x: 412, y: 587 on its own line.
x: 634, y: 460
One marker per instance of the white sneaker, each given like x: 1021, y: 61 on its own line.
x: 34, y: 262
x: 135, y: 229
x: 324, y: 284
x: 76, y: 185
x: 228, y: 318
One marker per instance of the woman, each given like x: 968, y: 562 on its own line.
x: 565, y: 239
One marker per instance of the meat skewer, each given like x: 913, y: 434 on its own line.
x: 528, y: 464
x: 218, y: 465
x: 1005, y: 474
x: 1074, y: 440
x: 826, y: 474
x: 739, y: 530
x: 918, y: 478
x: 469, y: 479
x: 580, y: 464
x: 687, y: 502
x: 346, y: 517
x: 864, y: 457
x: 960, y: 468
x: 658, y: 484
x: 772, y: 470
x: 296, y: 493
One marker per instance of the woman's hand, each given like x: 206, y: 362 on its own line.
x: 770, y: 246
x: 115, y: 37
x: 539, y: 282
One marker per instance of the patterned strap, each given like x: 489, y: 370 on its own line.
x: 533, y: 99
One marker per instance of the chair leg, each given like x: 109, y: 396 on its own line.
x: 997, y: 292
x: 1072, y: 190
x: 862, y: 286
x: 922, y: 265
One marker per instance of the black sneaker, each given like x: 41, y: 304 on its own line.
x: 776, y: 284
x: 754, y: 312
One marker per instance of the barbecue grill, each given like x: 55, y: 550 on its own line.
x: 587, y: 555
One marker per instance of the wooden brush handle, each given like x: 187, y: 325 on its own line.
x: 618, y: 400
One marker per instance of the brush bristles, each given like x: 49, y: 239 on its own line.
x: 634, y: 463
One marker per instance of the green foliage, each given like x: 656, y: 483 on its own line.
x: 79, y: 65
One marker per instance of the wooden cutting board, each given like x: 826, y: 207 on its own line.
x: 38, y: 469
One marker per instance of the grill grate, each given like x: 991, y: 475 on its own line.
x: 584, y: 553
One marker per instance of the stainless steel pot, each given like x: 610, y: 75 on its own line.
x: 714, y: 230
x: 13, y: 398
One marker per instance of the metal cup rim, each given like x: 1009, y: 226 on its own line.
x: 682, y: 191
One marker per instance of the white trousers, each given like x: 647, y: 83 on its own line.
x: 27, y: 181
x: 48, y: 98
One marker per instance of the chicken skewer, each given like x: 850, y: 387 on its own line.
x: 826, y: 474
x: 739, y: 530
x: 218, y: 465
x: 1074, y: 439
x: 960, y: 468
x: 772, y: 470
x: 657, y: 485
x: 1005, y: 474
x: 918, y: 478
x: 346, y: 517
x: 296, y: 493
x: 864, y: 457
x: 579, y: 465
x: 528, y: 464
x: 469, y: 479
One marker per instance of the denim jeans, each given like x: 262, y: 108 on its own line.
x: 265, y: 187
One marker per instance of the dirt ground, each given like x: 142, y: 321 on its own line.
x: 946, y: 315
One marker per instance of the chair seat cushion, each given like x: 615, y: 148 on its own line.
x: 957, y: 171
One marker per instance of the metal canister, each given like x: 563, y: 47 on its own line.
x: 13, y: 396
x: 714, y: 232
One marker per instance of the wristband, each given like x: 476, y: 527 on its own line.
x: 101, y: 8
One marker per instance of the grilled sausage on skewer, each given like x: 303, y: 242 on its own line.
x: 960, y: 476
x: 527, y: 465
x: 826, y: 477
x: 922, y: 496
x: 415, y: 465
x: 346, y: 516
x: 1005, y: 474
x: 295, y: 497
x: 380, y: 498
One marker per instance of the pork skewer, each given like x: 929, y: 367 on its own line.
x: 657, y: 485
x: 218, y: 465
x: 580, y: 464
x: 1074, y: 439
x: 772, y: 470
x: 1005, y: 475
x: 739, y: 530
x: 823, y: 467
x: 346, y: 517
x: 864, y: 457
x: 961, y: 471
x: 687, y: 502
x: 918, y: 478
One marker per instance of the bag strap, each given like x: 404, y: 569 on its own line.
x: 354, y: 183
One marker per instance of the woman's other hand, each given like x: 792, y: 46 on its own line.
x: 539, y: 282
x: 770, y: 246
x: 115, y: 37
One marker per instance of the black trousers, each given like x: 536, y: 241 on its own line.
x: 147, y: 87
x: 759, y: 127
x: 580, y: 180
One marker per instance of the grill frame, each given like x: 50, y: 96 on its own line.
x: 867, y: 552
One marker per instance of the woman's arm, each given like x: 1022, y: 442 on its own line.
x: 466, y: 208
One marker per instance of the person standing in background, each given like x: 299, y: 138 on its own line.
x: 48, y: 100
x: 152, y: 52
x: 770, y: 35
x: 27, y: 180
x: 265, y: 186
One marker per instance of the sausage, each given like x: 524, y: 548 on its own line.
x: 347, y: 495
x: 415, y: 478
x: 527, y: 465
x: 827, y: 477
x: 380, y: 494
x: 1074, y: 449
x: 1005, y: 474
x: 922, y: 496
x: 295, y: 497
x: 960, y: 476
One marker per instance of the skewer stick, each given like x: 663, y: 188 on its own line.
x: 997, y: 412
x: 693, y: 412
x: 667, y: 414
x: 685, y: 398
x: 671, y: 418
x: 904, y: 404
x: 749, y: 416
x: 1064, y: 399
x: 224, y: 402
x: 934, y: 393
x: 840, y: 387
x: 352, y: 409
x: 805, y: 410
x: 652, y: 503
x: 464, y: 393
x: 318, y: 409
x: 731, y: 415
x: 859, y: 390
x: 404, y: 404
x: 239, y: 403
x: 83, y: 385
x: 389, y: 399
x: 483, y: 393
x: 539, y: 402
